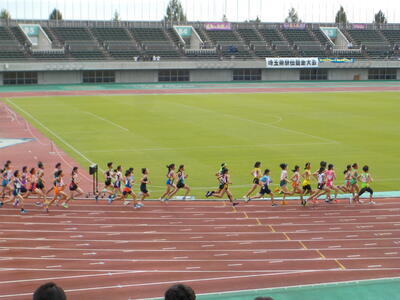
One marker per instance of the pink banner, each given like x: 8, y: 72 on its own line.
x: 218, y: 26
x: 359, y: 26
x: 294, y: 26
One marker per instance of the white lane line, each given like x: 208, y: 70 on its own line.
x: 235, y: 265
x: 334, y: 246
x: 171, y: 248
x: 86, y: 244
x: 106, y: 120
x: 261, y: 251
x: 352, y: 235
x: 221, y: 254
x: 196, y: 237
x: 317, y: 238
x: 53, y: 267
x: 354, y: 255
x: 89, y: 253
x: 192, y: 268
x: 47, y: 256
x: 370, y: 244
x: 52, y: 132
x: 391, y: 253
x: 205, y: 246
x: 186, y: 229
x: 181, y: 257
x: 67, y: 277
x: 276, y: 261
x: 375, y: 266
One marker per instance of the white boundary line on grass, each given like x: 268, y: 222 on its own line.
x: 106, y: 120
x: 50, y: 131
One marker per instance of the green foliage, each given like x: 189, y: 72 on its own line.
x: 5, y: 15
x: 341, y: 17
x: 292, y: 17
x: 55, y: 15
x: 380, y: 18
x: 116, y: 17
x: 175, y: 12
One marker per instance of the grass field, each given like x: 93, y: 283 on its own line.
x: 201, y: 131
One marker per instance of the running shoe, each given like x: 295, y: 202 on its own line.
x: 46, y: 210
x: 235, y: 203
x: 37, y: 203
x: 126, y: 202
x: 96, y: 198
x: 110, y: 200
x: 140, y: 204
x: 247, y: 199
x: 65, y: 205
x: 274, y: 204
x: 208, y: 194
x: 136, y: 206
x: 16, y: 202
x: 1, y: 204
x: 371, y: 202
x: 23, y: 211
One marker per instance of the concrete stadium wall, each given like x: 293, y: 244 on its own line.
x: 59, y: 77
x: 211, y: 75
x: 347, y: 74
x: 277, y: 75
x: 136, y: 76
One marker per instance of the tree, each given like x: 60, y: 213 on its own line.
x: 55, y: 15
x: 116, y: 17
x: 5, y: 15
x: 292, y: 17
x: 175, y: 12
x: 380, y: 18
x: 341, y: 17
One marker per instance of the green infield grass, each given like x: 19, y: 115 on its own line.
x: 202, y: 131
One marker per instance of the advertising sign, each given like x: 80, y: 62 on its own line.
x: 218, y: 26
x: 291, y: 62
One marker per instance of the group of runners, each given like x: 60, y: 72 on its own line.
x: 118, y: 185
x: 301, y: 183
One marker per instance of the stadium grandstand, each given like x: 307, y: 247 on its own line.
x: 70, y: 51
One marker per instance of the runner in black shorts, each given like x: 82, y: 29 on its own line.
x: 181, y: 182
x: 143, y: 185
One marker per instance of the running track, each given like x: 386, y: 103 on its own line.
x: 114, y: 252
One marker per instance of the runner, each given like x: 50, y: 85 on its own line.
x: 257, y: 174
x: 181, y: 183
x: 306, y: 182
x: 57, y: 168
x: 366, y: 180
x: 16, y: 192
x: 73, y: 187
x: 296, y: 181
x: 355, y: 189
x: 116, y: 189
x: 171, y: 186
x: 283, y: 182
x: 144, y: 181
x: 223, y: 187
x: 265, y: 181
x: 59, y: 194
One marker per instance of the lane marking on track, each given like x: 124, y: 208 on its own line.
x: 370, y: 244
x: 235, y: 265
x: 221, y: 254
x: 53, y: 267
x: 245, y: 215
x: 258, y: 221
x: 375, y: 266
x: 340, y: 265
x: 320, y: 254
x: 171, y: 248
x: 47, y: 256
x: 192, y: 268
x: 303, y: 245
x: 336, y: 246
x: 391, y: 253
x: 353, y: 256
x: 206, y: 246
x: 234, y: 209
x: 286, y: 236
x: 181, y: 257
x: 272, y: 228
x: 98, y: 263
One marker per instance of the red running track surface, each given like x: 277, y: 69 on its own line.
x: 101, y: 251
